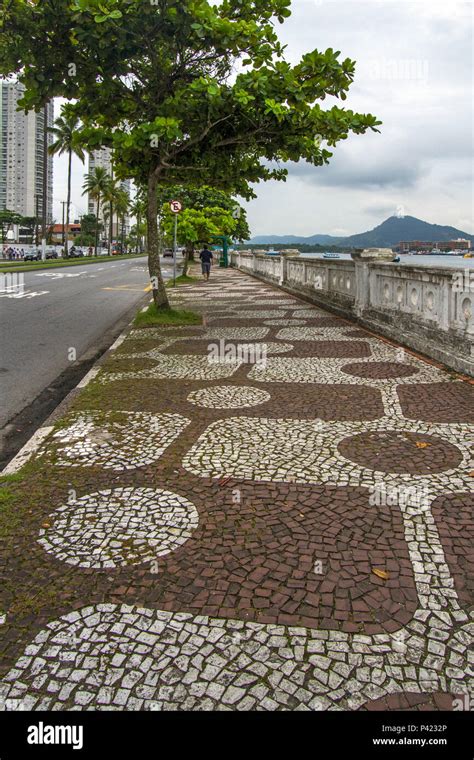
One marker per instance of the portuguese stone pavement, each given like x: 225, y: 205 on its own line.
x: 271, y: 511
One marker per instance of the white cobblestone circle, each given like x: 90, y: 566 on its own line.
x: 120, y: 442
x: 119, y: 527
x: 228, y: 397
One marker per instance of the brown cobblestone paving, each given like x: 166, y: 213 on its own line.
x: 241, y: 542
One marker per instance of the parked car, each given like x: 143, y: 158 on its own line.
x: 32, y: 256
x: 168, y: 252
x: 51, y: 255
x: 75, y: 253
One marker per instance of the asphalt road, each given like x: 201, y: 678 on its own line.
x: 61, y: 311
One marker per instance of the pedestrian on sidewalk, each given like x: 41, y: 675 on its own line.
x: 206, y: 261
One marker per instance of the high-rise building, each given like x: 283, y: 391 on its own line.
x: 103, y: 158
x: 22, y: 155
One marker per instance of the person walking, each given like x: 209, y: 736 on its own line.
x: 206, y: 261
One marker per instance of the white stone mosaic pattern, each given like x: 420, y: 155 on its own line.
x: 154, y: 333
x: 286, y: 302
x: 306, y: 451
x: 312, y: 313
x: 228, y: 397
x: 284, y: 322
x: 316, y: 333
x: 256, y: 314
x: 302, y: 306
x: 270, y: 347
x: 111, y: 657
x: 175, y: 367
x: 124, y: 442
x: 330, y: 371
x: 119, y: 527
x: 236, y: 333
x: 128, y: 658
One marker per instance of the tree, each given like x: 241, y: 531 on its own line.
x: 66, y: 133
x: 7, y: 220
x: 29, y: 223
x: 110, y: 196
x: 166, y: 100
x: 208, y: 197
x: 137, y: 210
x: 89, y: 224
x: 88, y: 230
x: 96, y: 184
x: 206, y: 212
x: 122, y: 205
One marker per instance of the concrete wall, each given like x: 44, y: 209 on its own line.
x: 430, y: 310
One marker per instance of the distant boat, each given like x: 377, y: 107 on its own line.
x: 329, y: 255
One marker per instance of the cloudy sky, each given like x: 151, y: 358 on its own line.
x: 414, y: 72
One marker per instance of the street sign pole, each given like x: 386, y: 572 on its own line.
x: 175, y: 207
x: 174, y: 248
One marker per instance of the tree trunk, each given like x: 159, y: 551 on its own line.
x: 68, y: 206
x: 160, y: 297
x: 188, y: 256
x: 97, y: 226
x: 138, y: 246
x: 111, y: 227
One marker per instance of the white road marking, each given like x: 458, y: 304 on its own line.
x: 14, y: 293
x: 60, y: 275
x: 27, y: 451
x: 87, y: 378
x: 118, y: 342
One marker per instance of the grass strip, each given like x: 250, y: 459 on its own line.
x: 153, y: 316
x: 14, y: 266
x: 183, y: 279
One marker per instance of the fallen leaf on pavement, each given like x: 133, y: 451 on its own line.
x: 380, y: 573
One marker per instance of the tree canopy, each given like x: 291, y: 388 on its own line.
x: 186, y: 91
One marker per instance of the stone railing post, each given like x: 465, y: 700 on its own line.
x: 283, y: 270
x: 362, y: 259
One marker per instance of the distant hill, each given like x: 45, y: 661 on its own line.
x: 285, y: 239
x: 385, y: 235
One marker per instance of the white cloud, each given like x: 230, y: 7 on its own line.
x: 413, y: 71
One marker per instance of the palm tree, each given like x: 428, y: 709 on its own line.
x: 66, y: 133
x: 137, y: 210
x: 122, y: 205
x: 111, y: 197
x: 96, y: 184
